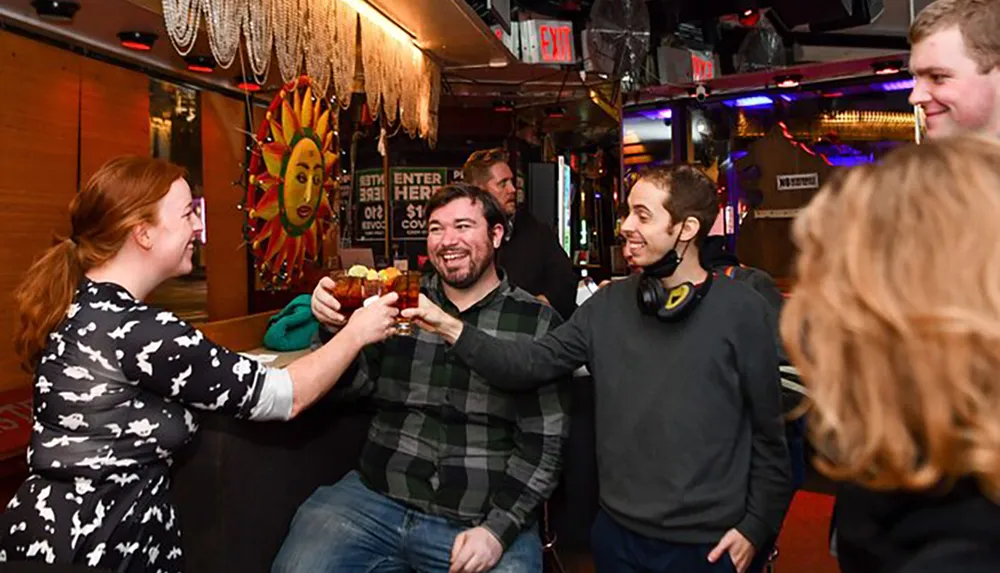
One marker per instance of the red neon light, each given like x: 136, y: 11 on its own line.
x: 749, y: 18
x: 802, y: 146
x: 556, y: 43
x: 248, y: 86
x: 136, y: 46
x: 200, y: 69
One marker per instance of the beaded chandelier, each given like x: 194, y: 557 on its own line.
x: 319, y: 38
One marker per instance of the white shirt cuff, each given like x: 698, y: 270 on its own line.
x: 275, y: 402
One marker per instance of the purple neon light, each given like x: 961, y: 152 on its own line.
x: 751, y: 101
x: 666, y: 113
x: 894, y: 86
x: 850, y: 160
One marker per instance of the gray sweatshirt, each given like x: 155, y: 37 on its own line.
x: 690, y: 436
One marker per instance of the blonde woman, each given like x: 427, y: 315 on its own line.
x: 894, y: 323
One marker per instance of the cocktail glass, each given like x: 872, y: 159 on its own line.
x: 407, y: 286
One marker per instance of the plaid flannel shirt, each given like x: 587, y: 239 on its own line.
x: 445, y: 442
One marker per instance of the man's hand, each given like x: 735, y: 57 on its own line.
x: 475, y: 550
x: 324, y: 306
x: 430, y: 318
x: 740, y: 550
x: 544, y: 299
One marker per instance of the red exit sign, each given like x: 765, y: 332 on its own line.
x: 548, y: 42
x: 556, y: 43
x: 702, y: 66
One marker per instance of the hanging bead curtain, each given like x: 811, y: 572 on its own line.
x: 318, y: 37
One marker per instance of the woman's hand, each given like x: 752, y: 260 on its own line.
x: 430, y: 318
x: 375, y: 322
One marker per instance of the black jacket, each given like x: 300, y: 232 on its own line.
x: 889, y: 532
x: 535, y: 262
x: 716, y: 257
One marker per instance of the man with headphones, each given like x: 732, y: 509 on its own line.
x: 692, y: 460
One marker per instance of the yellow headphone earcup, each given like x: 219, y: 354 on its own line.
x: 677, y: 295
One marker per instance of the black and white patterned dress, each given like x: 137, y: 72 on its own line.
x: 109, y: 413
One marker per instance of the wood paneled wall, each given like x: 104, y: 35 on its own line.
x: 114, y: 115
x: 765, y: 242
x: 61, y: 117
x: 39, y: 114
x: 222, y: 121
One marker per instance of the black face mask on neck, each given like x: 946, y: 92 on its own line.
x: 668, y: 263
x: 673, y: 305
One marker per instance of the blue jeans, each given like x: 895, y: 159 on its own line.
x: 619, y: 550
x: 346, y: 528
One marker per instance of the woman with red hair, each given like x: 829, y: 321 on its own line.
x: 115, y: 378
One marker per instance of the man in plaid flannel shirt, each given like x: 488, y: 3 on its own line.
x: 454, y: 472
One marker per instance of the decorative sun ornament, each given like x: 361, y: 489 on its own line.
x: 292, y: 169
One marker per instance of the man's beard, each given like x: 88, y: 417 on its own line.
x: 476, y: 272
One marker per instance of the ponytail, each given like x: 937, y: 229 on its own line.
x: 43, y: 298
x: 122, y: 194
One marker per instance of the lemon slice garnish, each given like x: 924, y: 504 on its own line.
x: 359, y: 271
x: 389, y: 274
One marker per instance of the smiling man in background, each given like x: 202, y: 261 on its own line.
x: 955, y: 60
x: 530, y: 253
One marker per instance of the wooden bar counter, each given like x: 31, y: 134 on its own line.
x: 238, y: 486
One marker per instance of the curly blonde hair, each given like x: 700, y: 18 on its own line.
x: 894, y: 320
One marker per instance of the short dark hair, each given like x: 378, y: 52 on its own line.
x: 477, y: 167
x: 492, y: 211
x: 690, y: 193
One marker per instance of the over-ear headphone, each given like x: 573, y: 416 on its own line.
x: 655, y: 300
x: 673, y: 305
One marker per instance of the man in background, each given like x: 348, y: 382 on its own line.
x: 530, y: 253
x: 955, y: 61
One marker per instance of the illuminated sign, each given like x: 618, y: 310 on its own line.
x: 702, y: 66
x: 547, y: 42
x: 564, y: 203
x: 681, y: 65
